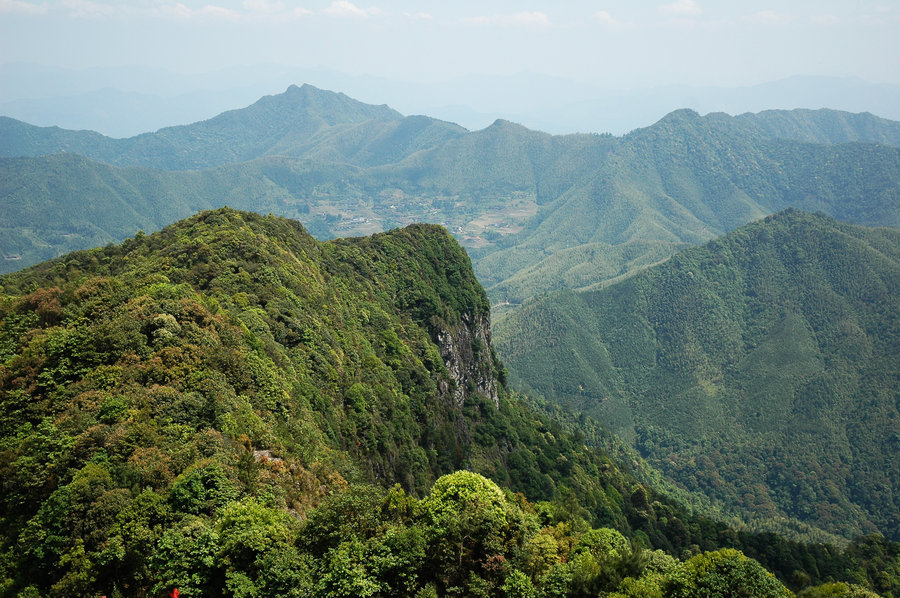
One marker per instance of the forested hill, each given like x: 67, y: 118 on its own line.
x: 60, y: 203
x: 684, y: 180
x: 231, y: 407
x: 761, y: 368
x: 251, y: 319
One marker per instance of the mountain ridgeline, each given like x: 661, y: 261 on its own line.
x: 760, y: 369
x: 227, y: 356
x: 534, y: 210
x: 309, y: 122
x: 301, y: 122
x: 332, y: 309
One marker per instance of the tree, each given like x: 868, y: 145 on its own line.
x: 722, y: 573
x: 471, y: 527
x: 836, y: 590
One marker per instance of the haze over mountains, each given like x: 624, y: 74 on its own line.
x: 122, y: 102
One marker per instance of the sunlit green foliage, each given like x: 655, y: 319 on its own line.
x: 836, y: 590
x: 724, y: 572
x: 233, y: 408
x: 227, y: 357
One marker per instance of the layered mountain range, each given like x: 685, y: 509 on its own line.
x: 233, y: 368
x: 535, y: 211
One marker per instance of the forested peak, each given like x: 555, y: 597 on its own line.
x: 502, y: 123
x: 352, y: 323
x: 681, y: 115
x: 792, y: 249
x: 822, y: 126
x: 678, y: 118
x: 298, y: 106
x: 24, y: 139
x: 432, y: 273
x: 509, y: 128
x: 787, y: 218
x: 231, y: 233
x: 12, y: 128
x: 685, y: 124
x: 416, y: 124
x: 223, y: 238
x: 251, y: 359
x: 795, y: 217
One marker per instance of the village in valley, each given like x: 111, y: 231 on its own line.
x: 475, y: 222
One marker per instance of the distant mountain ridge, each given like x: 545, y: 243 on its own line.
x: 688, y: 179
x: 824, y: 126
x: 295, y: 123
x: 96, y: 99
x: 529, y: 206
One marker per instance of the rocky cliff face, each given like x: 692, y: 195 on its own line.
x: 466, y: 351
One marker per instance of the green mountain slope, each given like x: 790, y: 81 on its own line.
x: 231, y: 407
x: 760, y: 369
x: 59, y: 203
x: 688, y: 179
x: 229, y: 356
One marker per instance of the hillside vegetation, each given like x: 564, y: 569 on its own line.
x: 231, y: 407
x: 760, y: 369
x: 824, y: 126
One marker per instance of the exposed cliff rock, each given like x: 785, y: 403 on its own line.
x: 466, y: 351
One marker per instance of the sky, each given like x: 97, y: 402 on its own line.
x: 616, y: 44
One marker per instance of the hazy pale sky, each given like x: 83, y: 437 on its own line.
x: 615, y: 44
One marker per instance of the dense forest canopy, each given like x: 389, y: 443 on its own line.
x: 230, y: 406
x: 761, y: 368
